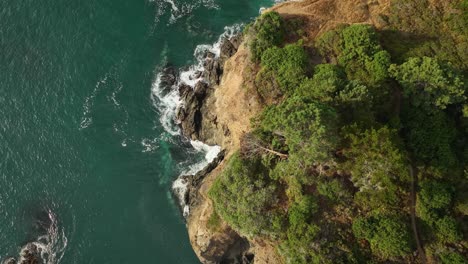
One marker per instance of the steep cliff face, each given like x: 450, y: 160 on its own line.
x: 223, y: 115
x: 226, y: 112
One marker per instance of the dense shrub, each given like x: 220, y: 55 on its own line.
x: 243, y: 196
x: 324, y: 86
x: 435, y: 30
x: 429, y: 84
x: 334, y: 190
x: 307, y: 127
x: 434, y: 198
x: 388, y: 235
x: 376, y: 161
x: 287, y: 64
x: 267, y: 31
x: 452, y: 258
x: 431, y: 136
x: 358, y: 51
x: 447, y: 230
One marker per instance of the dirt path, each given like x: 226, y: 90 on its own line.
x: 414, y: 182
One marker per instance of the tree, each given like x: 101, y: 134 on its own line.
x: 252, y: 147
x: 308, y: 127
x: 431, y: 137
x: 447, y: 230
x: 288, y: 65
x: 358, y: 51
x: 388, y: 235
x: 376, y: 160
x: 267, y: 31
x: 429, y: 84
x: 244, y: 196
x: 327, y: 81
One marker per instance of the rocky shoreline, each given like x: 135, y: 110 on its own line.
x: 198, y: 121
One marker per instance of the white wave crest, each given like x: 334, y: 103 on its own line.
x: 181, y: 9
x: 192, y: 75
x: 50, y: 246
x: 168, y: 101
x: 179, y: 186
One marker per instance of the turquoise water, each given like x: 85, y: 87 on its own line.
x: 81, y: 143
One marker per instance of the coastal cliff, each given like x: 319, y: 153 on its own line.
x: 220, y: 111
x: 224, y: 112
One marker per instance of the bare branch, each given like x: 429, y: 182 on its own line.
x: 251, y: 147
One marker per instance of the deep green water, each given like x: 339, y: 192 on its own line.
x: 81, y: 141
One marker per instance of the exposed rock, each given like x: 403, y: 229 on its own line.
x: 188, y: 114
x: 213, y: 71
x: 168, y: 77
x: 196, y: 119
x: 227, y: 49
x: 194, y: 181
x: 201, y: 90
x: 9, y: 261
x: 31, y: 255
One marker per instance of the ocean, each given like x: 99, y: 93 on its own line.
x: 89, y: 149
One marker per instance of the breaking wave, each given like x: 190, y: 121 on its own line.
x: 167, y: 100
x: 48, y: 248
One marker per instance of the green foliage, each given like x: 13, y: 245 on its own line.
x: 434, y: 30
x: 388, y: 235
x: 433, y: 200
x: 334, y: 190
x: 288, y: 64
x: 301, y: 232
x: 267, y: 86
x: 357, y: 49
x: 307, y: 127
x: 429, y: 84
x: 376, y: 161
x: 326, y: 83
x: 431, y: 137
x: 297, y: 247
x: 436, y: 195
x: 452, y: 258
x: 302, y: 198
x: 330, y: 44
x: 447, y: 230
x: 242, y: 196
x: 301, y: 211
x: 267, y: 31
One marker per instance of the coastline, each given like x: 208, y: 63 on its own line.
x: 223, y: 114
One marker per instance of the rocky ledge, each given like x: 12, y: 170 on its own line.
x: 199, y: 119
x: 196, y: 119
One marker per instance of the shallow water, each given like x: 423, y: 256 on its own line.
x: 86, y: 165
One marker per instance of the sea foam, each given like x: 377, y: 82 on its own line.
x: 168, y: 101
x: 51, y: 246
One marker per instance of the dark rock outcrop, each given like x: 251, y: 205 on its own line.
x: 31, y: 255
x: 194, y: 115
x: 194, y: 181
x: 168, y: 77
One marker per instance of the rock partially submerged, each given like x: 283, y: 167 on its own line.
x: 169, y: 76
x: 191, y: 196
x: 194, y: 115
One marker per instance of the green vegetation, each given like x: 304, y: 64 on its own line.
x: 428, y: 84
x: 388, y: 235
x: 267, y: 32
x: 327, y: 171
x: 243, y: 194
